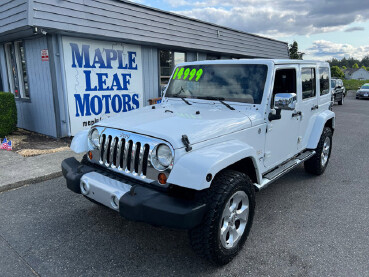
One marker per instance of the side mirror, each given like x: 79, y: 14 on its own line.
x: 285, y: 101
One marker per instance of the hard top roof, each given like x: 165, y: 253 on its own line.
x: 257, y: 61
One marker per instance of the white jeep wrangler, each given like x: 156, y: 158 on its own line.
x: 224, y: 130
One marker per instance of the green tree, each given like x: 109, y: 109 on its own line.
x: 355, y: 65
x: 344, y: 67
x: 294, y: 51
x: 337, y: 72
x: 363, y: 66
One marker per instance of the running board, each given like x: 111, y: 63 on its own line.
x: 278, y: 172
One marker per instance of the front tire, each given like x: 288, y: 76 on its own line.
x: 230, y: 210
x: 318, y: 163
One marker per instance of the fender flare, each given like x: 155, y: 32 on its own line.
x: 191, y: 169
x: 319, y: 124
x: 80, y: 142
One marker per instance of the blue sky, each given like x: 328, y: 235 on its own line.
x: 322, y: 28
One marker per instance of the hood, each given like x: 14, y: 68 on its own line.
x: 171, y: 120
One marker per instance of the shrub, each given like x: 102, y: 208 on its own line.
x: 8, y: 114
x: 354, y: 84
x: 337, y: 72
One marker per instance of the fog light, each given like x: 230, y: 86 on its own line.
x: 114, y: 202
x: 162, y: 178
x: 85, y: 188
x: 90, y: 155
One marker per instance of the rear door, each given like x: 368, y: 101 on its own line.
x: 324, y: 98
x: 307, y: 103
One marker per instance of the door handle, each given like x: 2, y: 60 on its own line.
x: 299, y: 113
x: 315, y: 107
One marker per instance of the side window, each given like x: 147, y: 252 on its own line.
x: 324, y: 80
x: 284, y: 82
x: 308, y: 82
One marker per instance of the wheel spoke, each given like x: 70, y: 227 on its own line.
x: 243, y: 213
x: 223, y: 235
x: 233, y: 235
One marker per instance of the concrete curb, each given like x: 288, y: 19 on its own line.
x: 30, y: 181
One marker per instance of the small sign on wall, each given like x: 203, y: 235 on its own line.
x: 45, y: 55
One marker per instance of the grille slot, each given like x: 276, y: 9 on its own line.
x: 127, y: 155
x: 102, y: 146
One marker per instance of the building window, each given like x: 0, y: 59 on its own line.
x: 308, y: 82
x: 1, y: 83
x: 212, y: 57
x: 168, y: 61
x: 16, y: 67
x: 324, y: 80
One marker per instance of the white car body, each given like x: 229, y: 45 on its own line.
x: 220, y: 137
x: 195, y: 160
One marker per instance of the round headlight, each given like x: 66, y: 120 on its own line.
x: 94, y: 137
x: 162, y: 157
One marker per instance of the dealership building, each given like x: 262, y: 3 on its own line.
x: 70, y: 63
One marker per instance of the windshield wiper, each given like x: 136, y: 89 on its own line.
x: 179, y: 92
x: 220, y: 99
x: 183, y: 98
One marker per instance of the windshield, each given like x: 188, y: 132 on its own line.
x: 230, y: 82
x: 333, y: 83
x: 365, y: 87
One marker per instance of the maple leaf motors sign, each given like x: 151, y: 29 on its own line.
x: 102, y: 79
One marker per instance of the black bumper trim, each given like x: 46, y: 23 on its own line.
x: 143, y: 204
x: 73, y: 171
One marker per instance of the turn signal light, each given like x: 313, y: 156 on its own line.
x: 90, y: 155
x: 162, y: 178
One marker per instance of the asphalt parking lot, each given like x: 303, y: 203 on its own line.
x: 304, y: 225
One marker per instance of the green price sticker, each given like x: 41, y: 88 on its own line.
x: 182, y: 73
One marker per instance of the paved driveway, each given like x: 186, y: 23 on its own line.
x: 304, y: 225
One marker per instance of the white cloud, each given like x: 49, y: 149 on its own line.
x: 324, y: 50
x: 276, y: 18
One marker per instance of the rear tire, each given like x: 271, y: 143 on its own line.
x: 342, y: 100
x: 230, y: 210
x: 318, y: 163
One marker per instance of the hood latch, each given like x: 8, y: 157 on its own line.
x: 186, y: 142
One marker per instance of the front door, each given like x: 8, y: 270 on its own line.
x: 282, y: 134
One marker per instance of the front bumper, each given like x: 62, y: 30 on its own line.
x: 132, y: 199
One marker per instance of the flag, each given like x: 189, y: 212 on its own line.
x: 4, y: 144
x: 9, y: 147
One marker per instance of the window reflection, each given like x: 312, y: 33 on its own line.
x: 168, y: 61
x: 308, y: 82
x: 324, y: 80
x: 17, y: 70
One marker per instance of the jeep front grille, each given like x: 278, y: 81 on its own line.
x: 124, y: 154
